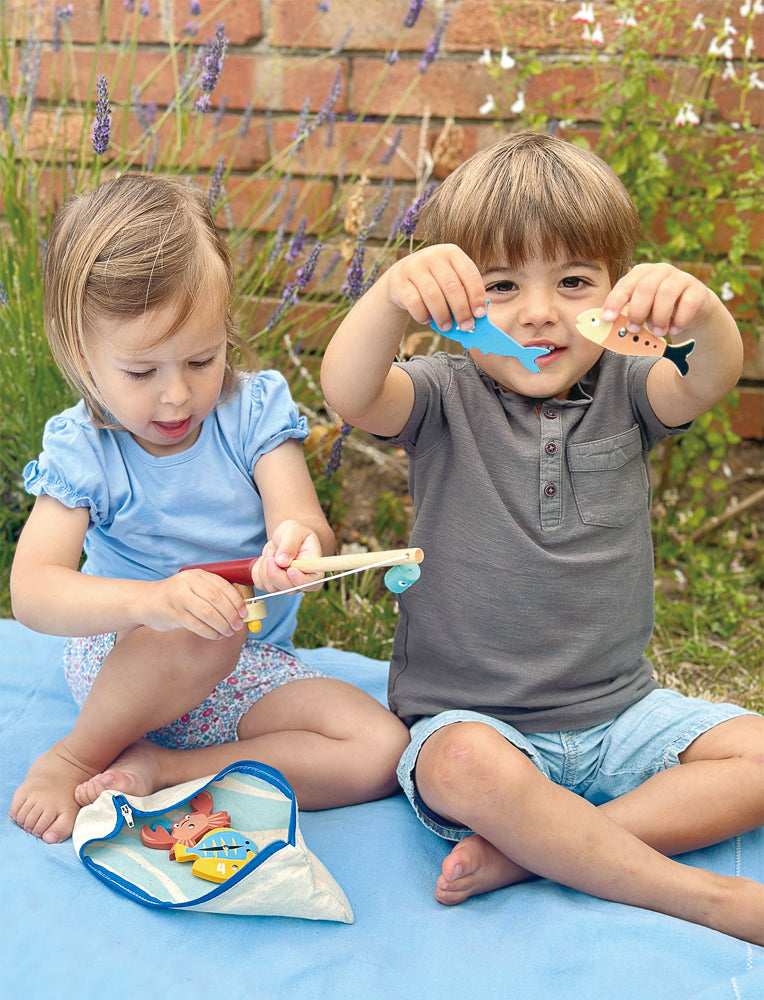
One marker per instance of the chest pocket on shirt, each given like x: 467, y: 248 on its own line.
x: 609, y: 479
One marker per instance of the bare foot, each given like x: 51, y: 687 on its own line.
x: 136, y: 771
x: 473, y: 867
x: 44, y: 803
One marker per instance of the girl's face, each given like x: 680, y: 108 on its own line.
x: 160, y: 391
x: 537, y: 305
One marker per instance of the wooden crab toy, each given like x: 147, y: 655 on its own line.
x: 204, y: 837
x: 404, y: 570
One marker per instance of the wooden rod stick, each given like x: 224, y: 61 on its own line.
x: 358, y: 560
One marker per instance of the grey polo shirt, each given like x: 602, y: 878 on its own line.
x: 535, y: 603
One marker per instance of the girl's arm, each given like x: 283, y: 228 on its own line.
x: 294, y: 522
x: 675, y: 302
x: 49, y: 594
x: 357, y: 374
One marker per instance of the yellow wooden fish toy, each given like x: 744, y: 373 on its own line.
x: 614, y: 336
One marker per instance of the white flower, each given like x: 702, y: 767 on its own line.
x: 699, y: 24
x: 629, y: 21
x: 586, y: 14
x: 519, y: 106
x: 686, y: 116
x: 586, y: 34
x: 729, y: 71
x: 726, y: 292
x: 488, y: 106
x: 485, y: 59
x: 597, y: 37
x: 506, y: 61
x: 725, y: 49
x: 729, y: 28
x: 749, y: 47
x: 754, y: 82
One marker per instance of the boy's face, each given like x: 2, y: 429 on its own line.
x: 537, y: 304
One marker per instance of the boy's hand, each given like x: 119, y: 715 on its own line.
x: 200, y: 602
x: 439, y: 283
x: 274, y: 571
x: 662, y: 297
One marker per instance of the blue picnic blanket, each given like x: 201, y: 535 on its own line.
x: 64, y: 931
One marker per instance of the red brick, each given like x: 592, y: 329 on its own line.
x: 479, y: 24
x: 281, y: 83
x: 375, y: 24
x: 251, y: 201
x: 242, y: 20
x: 747, y: 418
x: 448, y: 87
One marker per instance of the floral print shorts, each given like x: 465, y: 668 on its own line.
x: 261, y: 668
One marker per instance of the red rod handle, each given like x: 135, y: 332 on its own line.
x: 235, y: 571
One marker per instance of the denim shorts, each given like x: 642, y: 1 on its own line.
x: 599, y: 763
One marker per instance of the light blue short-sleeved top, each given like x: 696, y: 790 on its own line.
x: 150, y: 515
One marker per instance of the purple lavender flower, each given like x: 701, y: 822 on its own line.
x: 324, y: 6
x: 433, y: 45
x: 216, y: 185
x: 102, y: 124
x: 129, y: 6
x: 61, y: 15
x: 246, y: 118
x: 407, y: 226
x: 354, y: 282
x: 144, y: 10
x: 342, y: 42
x: 392, y: 57
x: 390, y: 152
x: 335, y: 455
x: 334, y: 95
x: 195, y: 8
x: 295, y: 244
x: 305, y: 273
x: 415, y: 9
x: 29, y: 72
x: 4, y: 300
x: 214, y: 54
x: 304, y: 128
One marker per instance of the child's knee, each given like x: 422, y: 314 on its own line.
x: 463, y: 758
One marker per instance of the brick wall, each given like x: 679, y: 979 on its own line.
x: 285, y: 55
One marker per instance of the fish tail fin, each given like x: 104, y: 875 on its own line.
x: 678, y: 354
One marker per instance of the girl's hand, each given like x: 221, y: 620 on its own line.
x: 661, y: 296
x: 200, y: 602
x: 273, y: 570
x: 439, y: 283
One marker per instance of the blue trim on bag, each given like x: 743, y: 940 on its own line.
x: 132, y: 891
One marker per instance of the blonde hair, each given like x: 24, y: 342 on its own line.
x: 534, y: 194
x: 136, y: 243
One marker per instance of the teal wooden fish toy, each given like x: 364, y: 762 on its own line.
x: 489, y: 339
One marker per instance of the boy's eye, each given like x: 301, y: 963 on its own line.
x: 573, y: 281
x: 138, y: 376
x: 500, y: 286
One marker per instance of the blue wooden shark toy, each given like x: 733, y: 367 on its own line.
x: 489, y: 339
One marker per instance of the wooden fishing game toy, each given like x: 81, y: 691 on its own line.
x: 404, y: 570
x: 615, y: 336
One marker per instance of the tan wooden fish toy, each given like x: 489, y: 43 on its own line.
x: 616, y: 337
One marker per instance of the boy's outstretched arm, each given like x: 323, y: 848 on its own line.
x: 675, y: 303
x: 357, y: 374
